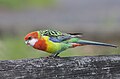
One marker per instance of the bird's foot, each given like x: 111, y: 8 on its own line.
x: 53, y: 56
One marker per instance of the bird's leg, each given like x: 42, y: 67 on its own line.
x: 55, y: 55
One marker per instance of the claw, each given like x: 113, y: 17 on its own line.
x: 53, y: 56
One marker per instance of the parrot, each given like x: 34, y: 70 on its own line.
x: 54, y: 41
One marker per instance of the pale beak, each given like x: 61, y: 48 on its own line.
x: 26, y: 42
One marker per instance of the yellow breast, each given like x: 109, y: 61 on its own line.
x: 52, y: 47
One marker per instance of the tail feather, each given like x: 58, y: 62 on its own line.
x: 78, y: 35
x: 85, y: 42
x: 75, y: 33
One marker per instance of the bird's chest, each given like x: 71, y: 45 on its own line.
x: 40, y: 45
x: 53, y: 47
x: 47, y: 45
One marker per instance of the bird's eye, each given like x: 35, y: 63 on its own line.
x: 29, y: 38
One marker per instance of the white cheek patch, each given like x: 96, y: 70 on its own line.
x: 32, y: 42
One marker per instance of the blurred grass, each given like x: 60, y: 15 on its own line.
x: 15, y: 4
x: 12, y: 48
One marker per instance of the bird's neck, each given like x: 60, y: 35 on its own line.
x: 41, y: 44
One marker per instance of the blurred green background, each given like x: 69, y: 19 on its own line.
x: 99, y: 20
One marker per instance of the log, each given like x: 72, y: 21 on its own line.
x: 79, y: 67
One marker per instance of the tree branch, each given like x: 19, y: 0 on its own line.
x: 89, y: 67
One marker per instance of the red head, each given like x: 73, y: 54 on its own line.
x: 35, y: 40
x: 32, y: 38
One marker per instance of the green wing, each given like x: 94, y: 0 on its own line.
x: 52, y: 33
x: 57, y: 36
x: 55, y: 33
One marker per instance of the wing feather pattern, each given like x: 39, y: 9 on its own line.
x: 57, y: 36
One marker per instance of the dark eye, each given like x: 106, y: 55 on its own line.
x: 29, y: 38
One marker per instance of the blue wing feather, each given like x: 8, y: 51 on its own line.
x: 60, y: 38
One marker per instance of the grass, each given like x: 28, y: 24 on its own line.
x: 15, y: 4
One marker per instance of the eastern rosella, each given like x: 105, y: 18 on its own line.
x: 54, y: 42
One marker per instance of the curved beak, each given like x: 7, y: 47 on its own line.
x: 26, y: 42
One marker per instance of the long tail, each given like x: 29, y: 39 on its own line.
x: 85, y: 42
